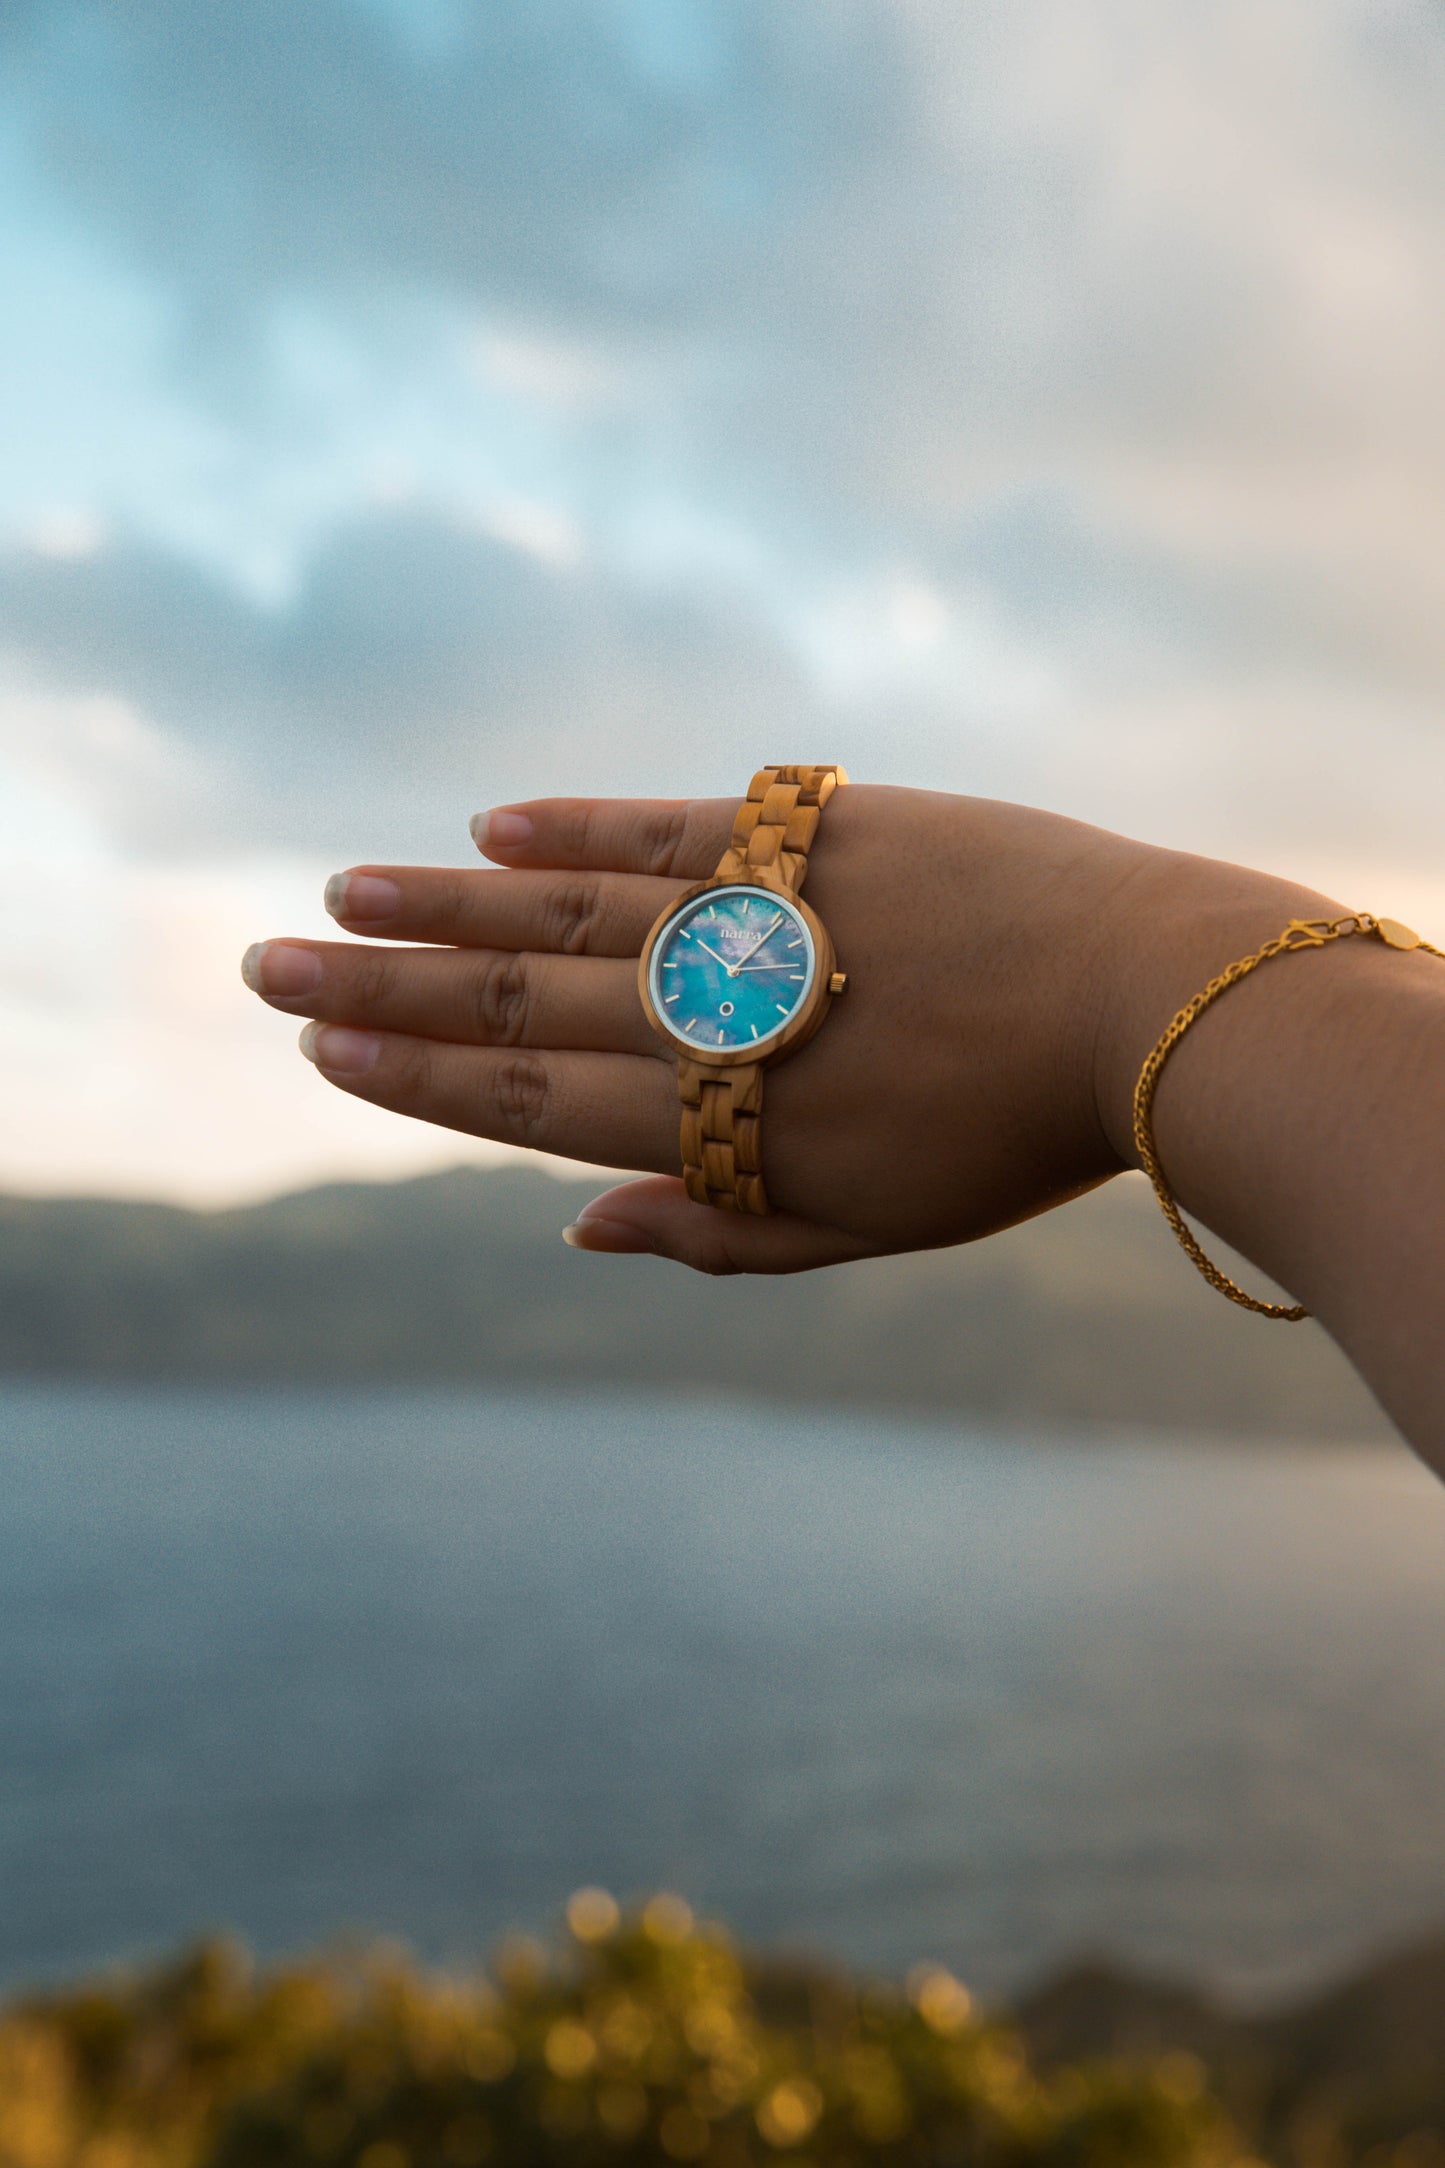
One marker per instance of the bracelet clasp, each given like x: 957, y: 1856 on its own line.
x: 1302, y: 933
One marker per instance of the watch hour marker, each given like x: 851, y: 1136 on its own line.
x: 689, y: 1024
x: 669, y: 1000
x: 781, y: 1007
x: 753, y: 1029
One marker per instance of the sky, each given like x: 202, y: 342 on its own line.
x: 409, y: 405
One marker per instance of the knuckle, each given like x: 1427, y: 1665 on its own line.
x: 373, y: 980
x: 576, y: 826
x: 664, y: 831
x: 573, y: 908
x: 414, y: 1075
x: 450, y: 900
x: 500, y: 997
x: 704, y: 1246
x: 523, y: 1095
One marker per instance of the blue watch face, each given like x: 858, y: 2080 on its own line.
x: 731, y: 968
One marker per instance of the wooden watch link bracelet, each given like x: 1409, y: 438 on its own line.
x: 737, y: 974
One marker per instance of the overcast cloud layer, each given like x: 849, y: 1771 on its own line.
x: 411, y: 404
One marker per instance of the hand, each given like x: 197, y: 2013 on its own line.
x: 1007, y: 972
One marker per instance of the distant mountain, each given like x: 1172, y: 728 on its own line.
x: 1356, y: 2070
x: 1088, y: 1314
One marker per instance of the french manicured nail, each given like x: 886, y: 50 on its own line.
x: 500, y: 831
x: 274, y: 967
x: 362, y: 895
x: 614, y: 1237
x: 342, y: 1051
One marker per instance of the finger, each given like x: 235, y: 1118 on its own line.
x: 657, y: 1217
x: 681, y: 839
x: 586, y: 914
x: 617, y: 1110
x: 470, y: 997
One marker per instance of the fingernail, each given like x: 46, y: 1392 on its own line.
x: 343, y: 1052
x: 613, y: 1237
x: 500, y: 831
x: 362, y: 895
x: 274, y: 967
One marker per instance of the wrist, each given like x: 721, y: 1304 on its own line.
x: 1176, y: 923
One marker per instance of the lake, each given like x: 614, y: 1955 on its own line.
x: 423, y: 1663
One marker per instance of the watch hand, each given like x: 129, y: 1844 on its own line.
x: 769, y: 967
x: 762, y: 937
x: 729, y: 968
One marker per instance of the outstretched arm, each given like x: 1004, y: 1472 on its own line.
x: 1008, y: 972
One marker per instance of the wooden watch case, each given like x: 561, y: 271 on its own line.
x: 804, y: 1020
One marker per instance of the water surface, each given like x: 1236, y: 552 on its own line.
x: 426, y: 1662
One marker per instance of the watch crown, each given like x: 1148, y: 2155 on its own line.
x: 838, y: 983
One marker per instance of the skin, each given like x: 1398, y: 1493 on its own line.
x: 1008, y: 972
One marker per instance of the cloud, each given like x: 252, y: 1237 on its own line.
x: 555, y: 155
x: 879, y: 246
x: 422, y: 670
x: 1114, y: 334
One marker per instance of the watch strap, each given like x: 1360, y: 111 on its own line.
x: 721, y: 1146
x: 722, y: 1108
x: 778, y: 819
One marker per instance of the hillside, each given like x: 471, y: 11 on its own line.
x: 1360, y: 2066
x: 1089, y: 1313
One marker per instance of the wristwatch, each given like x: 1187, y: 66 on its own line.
x: 737, y: 973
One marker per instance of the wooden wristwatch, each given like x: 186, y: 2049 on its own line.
x: 737, y: 973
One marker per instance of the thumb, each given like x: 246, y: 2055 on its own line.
x: 656, y: 1217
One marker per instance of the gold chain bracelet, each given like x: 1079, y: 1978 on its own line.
x: 1300, y: 933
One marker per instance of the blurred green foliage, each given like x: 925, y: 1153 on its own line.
x: 646, y: 2039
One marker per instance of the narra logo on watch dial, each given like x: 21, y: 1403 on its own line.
x: 731, y: 968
